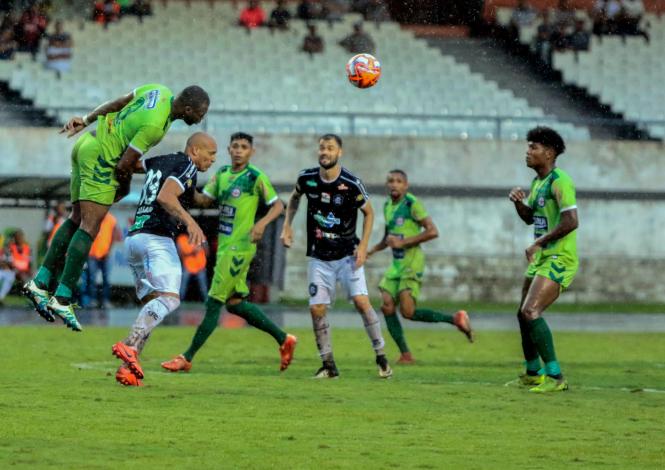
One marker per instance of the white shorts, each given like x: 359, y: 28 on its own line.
x: 155, y: 264
x: 323, y: 277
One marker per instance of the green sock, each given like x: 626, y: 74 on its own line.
x: 205, y: 329
x: 77, y: 254
x: 528, y: 347
x: 55, y: 256
x: 255, y: 317
x: 396, y: 331
x: 542, y: 337
x: 431, y: 316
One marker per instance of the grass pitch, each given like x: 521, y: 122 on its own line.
x: 61, y: 408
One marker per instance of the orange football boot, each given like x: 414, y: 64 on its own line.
x: 406, y: 358
x: 461, y: 321
x: 177, y: 364
x: 126, y: 377
x: 129, y: 356
x: 286, y: 351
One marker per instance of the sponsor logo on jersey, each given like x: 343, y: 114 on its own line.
x: 144, y: 210
x: 311, y: 183
x: 338, y: 200
x: 312, y: 195
x: 325, y: 197
x: 227, y: 211
x: 342, y: 187
x: 235, y: 192
x: 225, y: 228
x: 539, y: 224
x: 327, y: 222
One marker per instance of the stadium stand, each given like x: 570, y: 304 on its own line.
x: 260, y: 81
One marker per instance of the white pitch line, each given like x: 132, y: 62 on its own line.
x: 109, y: 366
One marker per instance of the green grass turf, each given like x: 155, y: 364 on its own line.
x: 61, y: 408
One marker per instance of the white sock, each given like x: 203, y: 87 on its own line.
x: 149, y: 317
x: 373, y: 329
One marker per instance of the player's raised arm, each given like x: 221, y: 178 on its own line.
x: 291, y: 209
x: 203, y: 200
x: 77, y: 123
x: 430, y: 232
x: 368, y: 223
x: 517, y: 196
x: 124, y: 171
x: 168, y: 199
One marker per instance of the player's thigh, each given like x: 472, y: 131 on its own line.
x: 92, y: 215
x: 387, y: 303
x: 321, y: 279
x: 542, y: 293
x: 407, y: 302
x: 352, y: 278
x: 389, y: 288
x: 96, y: 173
x: 155, y: 264
x: 230, y: 276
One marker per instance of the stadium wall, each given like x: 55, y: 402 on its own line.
x: 479, y: 254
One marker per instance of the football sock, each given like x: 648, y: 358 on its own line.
x: 542, y: 338
x: 373, y: 329
x: 396, y: 332
x: 55, y: 256
x: 255, y: 317
x: 322, y: 335
x: 77, y: 254
x: 149, y: 317
x: 431, y: 316
x: 207, y: 326
x: 528, y: 347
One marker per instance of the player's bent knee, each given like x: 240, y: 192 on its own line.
x: 530, y: 313
x: 407, y: 312
x: 318, y: 310
x: 388, y: 309
x: 362, y: 303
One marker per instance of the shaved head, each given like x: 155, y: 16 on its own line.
x: 199, y: 139
x: 202, y: 149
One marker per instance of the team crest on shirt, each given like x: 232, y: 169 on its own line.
x: 541, y: 201
x: 399, y: 221
x: 360, y: 197
x: 235, y: 192
x: 189, y: 183
x: 325, y: 198
x: 338, y: 200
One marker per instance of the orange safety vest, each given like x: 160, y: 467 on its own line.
x: 102, y: 245
x: 20, y: 258
x: 193, y: 260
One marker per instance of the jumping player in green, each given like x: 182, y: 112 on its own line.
x: 552, y: 209
x: 237, y: 189
x: 408, y: 225
x: 103, y: 161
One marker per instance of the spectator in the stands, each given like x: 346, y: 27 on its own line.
x: 376, y: 11
x: 20, y: 256
x: 631, y: 16
x: 579, y: 39
x: 358, y: 41
x: 141, y: 8
x: 59, y: 50
x: 606, y: 16
x: 8, y: 44
x: 565, y: 15
x: 334, y: 10
x: 309, y: 10
x: 252, y: 16
x: 523, y: 15
x: 543, y: 43
x: 30, y: 29
x: 313, y: 43
x: 105, y: 12
x: 280, y: 16
x: 7, y: 275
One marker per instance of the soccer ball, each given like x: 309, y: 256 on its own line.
x: 363, y: 70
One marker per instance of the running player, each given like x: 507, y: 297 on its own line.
x: 237, y: 189
x: 103, y: 161
x: 408, y: 225
x: 553, y: 262
x: 167, y: 193
x: 334, y: 196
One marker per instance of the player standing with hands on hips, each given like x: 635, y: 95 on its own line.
x: 334, y: 197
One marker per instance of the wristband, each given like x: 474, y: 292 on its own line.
x: 85, y: 120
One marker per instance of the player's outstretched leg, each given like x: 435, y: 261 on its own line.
x: 322, y: 334
x: 183, y: 362
x: 460, y: 319
x: 395, y: 327
x: 254, y: 316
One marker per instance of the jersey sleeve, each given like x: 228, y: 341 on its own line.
x: 183, y: 173
x: 211, y: 188
x: 563, y: 190
x: 267, y: 191
x: 418, y: 211
x: 532, y: 195
x: 299, y: 183
x: 146, y: 138
x: 362, y: 197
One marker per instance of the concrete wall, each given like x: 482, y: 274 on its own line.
x: 479, y: 254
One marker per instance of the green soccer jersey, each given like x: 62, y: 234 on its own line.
x: 141, y: 124
x: 402, y: 220
x: 238, y: 197
x: 549, y: 197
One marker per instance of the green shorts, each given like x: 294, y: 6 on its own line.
x: 560, y: 269
x: 93, y: 176
x: 230, y: 278
x: 398, y: 279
